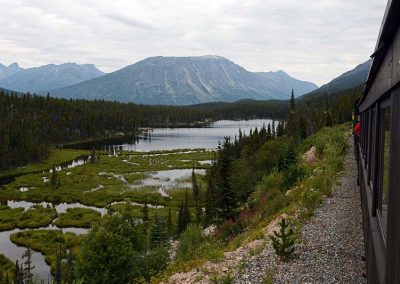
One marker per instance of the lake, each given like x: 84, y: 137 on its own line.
x: 158, y: 139
x: 185, y: 138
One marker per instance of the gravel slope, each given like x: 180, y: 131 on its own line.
x: 333, y: 242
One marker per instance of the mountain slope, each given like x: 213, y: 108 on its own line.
x: 286, y: 83
x: 183, y: 81
x: 6, y: 71
x: 347, y: 80
x: 47, y: 77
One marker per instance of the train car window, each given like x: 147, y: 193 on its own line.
x: 367, y: 134
x: 385, y: 167
x: 371, y: 149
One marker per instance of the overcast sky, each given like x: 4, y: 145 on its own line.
x: 314, y: 40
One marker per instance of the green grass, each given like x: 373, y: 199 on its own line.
x: 47, y: 242
x: 57, y: 156
x: 78, y: 217
x: 36, y: 217
x: 6, y: 267
x: 77, y: 184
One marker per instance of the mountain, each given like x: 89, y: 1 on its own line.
x: 185, y: 80
x: 47, y: 77
x: 6, y: 71
x: 350, y: 79
x: 286, y: 83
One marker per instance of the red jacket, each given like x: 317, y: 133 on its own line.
x: 357, y: 128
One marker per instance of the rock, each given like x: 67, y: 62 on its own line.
x: 310, y: 156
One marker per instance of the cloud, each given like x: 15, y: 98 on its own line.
x: 311, y: 40
x: 130, y: 22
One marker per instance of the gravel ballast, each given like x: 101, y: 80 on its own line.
x: 332, y: 247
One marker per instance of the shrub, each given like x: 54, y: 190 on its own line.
x: 189, y: 241
x: 229, y: 229
x: 284, y: 240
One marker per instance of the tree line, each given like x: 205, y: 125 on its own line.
x: 30, y: 125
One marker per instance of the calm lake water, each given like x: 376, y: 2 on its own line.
x: 158, y: 139
x: 183, y: 138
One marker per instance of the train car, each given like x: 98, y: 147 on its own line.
x: 379, y: 154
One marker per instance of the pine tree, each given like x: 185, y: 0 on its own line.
x: 158, y: 233
x: 269, y: 133
x: 199, y: 212
x: 18, y: 276
x: 196, y: 195
x: 302, y: 128
x: 195, y: 186
x: 169, y: 222
x: 70, y: 267
x: 210, y: 193
x: 181, y: 222
x: 291, y: 127
x: 186, y: 211
x: 58, y: 273
x: 284, y: 240
x: 93, y: 157
x: 225, y: 197
x: 28, y: 267
x: 273, y: 129
x: 54, y: 181
x: 145, y: 213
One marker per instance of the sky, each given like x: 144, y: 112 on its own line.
x: 313, y: 40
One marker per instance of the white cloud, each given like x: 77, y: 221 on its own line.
x: 311, y: 40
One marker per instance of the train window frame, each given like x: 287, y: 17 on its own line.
x: 380, y: 166
x: 372, y: 147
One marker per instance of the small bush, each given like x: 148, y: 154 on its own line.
x: 229, y: 229
x: 284, y: 240
x: 189, y: 242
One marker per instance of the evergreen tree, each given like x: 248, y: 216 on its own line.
x: 28, y: 267
x: 145, y: 213
x: 158, y: 233
x: 169, y: 222
x: 93, y: 157
x: 70, y: 268
x: 284, y: 240
x: 195, y: 187
x: 292, y: 125
x: 196, y: 195
x: 18, y: 274
x: 186, y: 211
x: 269, y: 133
x: 273, y: 129
x: 302, y: 128
x: 58, y: 272
x: 210, y: 193
x: 54, y: 181
x: 226, y: 204
x: 181, y: 222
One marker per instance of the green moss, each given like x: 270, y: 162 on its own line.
x: 56, y: 157
x: 6, y: 267
x: 78, y: 217
x: 36, y: 217
x: 48, y: 243
x: 106, y: 181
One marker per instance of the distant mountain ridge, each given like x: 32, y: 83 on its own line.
x: 6, y: 71
x: 348, y: 80
x: 186, y: 80
x: 47, y: 77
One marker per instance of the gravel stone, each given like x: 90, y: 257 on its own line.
x: 333, y: 245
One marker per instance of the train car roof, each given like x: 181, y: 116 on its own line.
x: 389, y: 27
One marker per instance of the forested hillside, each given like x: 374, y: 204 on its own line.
x: 43, y: 122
